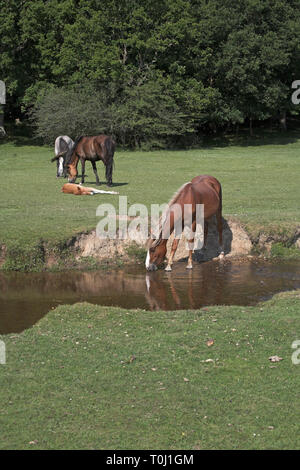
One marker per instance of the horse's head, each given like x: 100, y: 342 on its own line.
x: 157, y: 250
x: 60, y: 163
x: 72, y: 173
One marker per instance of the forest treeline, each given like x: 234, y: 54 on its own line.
x: 149, y: 71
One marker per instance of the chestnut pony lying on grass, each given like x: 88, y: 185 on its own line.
x: 79, y: 190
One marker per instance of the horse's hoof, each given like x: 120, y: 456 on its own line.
x: 168, y: 268
x: 189, y: 266
x: 221, y: 255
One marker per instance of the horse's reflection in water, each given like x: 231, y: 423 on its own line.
x: 25, y: 298
x: 191, y: 290
x: 165, y: 296
x: 155, y: 293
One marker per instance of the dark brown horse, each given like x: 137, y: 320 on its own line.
x: 94, y: 148
x: 203, y: 189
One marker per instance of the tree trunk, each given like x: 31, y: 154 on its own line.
x: 2, y: 130
x: 250, y: 126
x: 283, y: 121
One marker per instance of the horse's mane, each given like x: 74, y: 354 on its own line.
x: 153, y: 242
x: 71, y: 150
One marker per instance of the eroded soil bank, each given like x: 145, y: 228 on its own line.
x: 86, y: 250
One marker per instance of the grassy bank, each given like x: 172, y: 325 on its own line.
x: 259, y: 177
x: 104, y: 378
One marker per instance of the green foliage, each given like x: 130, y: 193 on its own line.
x: 137, y: 253
x: 281, y: 250
x: 163, y: 68
x: 20, y: 258
x: 72, y: 112
x: 139, y: 114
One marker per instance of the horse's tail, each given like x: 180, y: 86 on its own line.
x: 216, y: 185
x: 220, y: 203
x: 109, y: 146
x: 220, y: 221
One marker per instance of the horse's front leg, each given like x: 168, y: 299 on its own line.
x: 191, y: 246
x: 173, y: 250
x: 82, y: 169
x: 190, y: 260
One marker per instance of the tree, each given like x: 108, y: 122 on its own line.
x: 141, y: 114
x: 216, y: 64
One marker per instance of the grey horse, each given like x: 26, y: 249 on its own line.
x: 62, y: 144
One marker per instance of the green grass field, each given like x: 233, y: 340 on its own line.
x: 91, y: 377
x: 260, y: 182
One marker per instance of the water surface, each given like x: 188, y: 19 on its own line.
x: 27, y: 297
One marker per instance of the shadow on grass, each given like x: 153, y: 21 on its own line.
x: 22, y: 135
x: 104, y: 183
x: 260, y: 137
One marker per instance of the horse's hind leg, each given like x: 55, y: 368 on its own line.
x: 65, y: 170
x: 82, y: 169
x: 108, y: 173
x: 95, y: 173
x: 220, y: 232
x: 205, y: 234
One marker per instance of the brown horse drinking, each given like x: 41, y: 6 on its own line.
x: 94, y: 148
x: 203, y: 189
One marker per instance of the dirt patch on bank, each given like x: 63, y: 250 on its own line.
x: 235, y: 238
x: 237, y: 243
x: 89, y: 245
x: 87, y: 249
